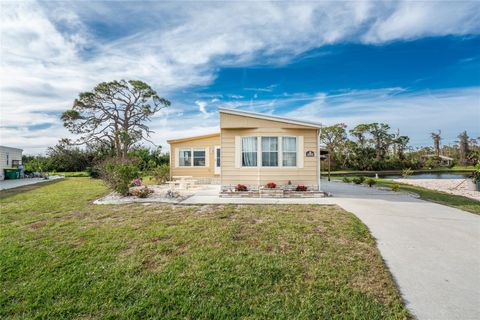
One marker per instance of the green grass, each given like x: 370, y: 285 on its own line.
x: 77, y: 174
x: 359, y: 172
x: 444, y: 198
x: 61, y: 257
x: 440, y: 197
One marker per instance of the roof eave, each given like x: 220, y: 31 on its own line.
x: 270, y: 117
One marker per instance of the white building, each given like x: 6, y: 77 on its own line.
x: 9, y: 158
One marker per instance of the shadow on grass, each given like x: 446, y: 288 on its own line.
x: 4, y: 194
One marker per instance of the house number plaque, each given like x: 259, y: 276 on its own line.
x: 310, y: 154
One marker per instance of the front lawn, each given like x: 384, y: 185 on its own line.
x: 61, y: 257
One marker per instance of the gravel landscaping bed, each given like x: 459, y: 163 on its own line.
x: 459, y: 187
x: 159, y: 195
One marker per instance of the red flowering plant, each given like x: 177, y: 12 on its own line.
x: 301, y: 188
x: 141, y: 192
x: 241, y: 187
x: 271, y: 185
x: 137, y: 182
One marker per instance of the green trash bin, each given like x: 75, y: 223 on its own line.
x: 11, y: 174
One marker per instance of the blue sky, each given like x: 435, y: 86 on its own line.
x: 414, y: 65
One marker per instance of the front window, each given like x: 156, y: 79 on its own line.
x: 249, y: 151
x: 185, y: 158
x: 199, y: 157
x: 270, y: 151
x: 218, y: 157
x: 289, y: 150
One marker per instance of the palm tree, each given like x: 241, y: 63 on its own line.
x: 463, y: 147
x: 436, y: 142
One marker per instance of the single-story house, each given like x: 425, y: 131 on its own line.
x: 9, y: 158
x: 444, y: 160
x: 251, y: 149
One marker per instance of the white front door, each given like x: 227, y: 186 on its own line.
x: 217, y: 160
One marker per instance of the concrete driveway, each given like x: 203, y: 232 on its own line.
x: 10, y: 184
x: 433, y: 251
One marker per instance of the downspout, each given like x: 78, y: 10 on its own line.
x: 170, y: 162
x: 319, y: 158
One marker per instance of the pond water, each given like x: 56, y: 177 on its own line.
x: 433, y: 175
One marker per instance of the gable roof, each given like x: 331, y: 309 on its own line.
x: 270, y: 117
x: 204, y: 136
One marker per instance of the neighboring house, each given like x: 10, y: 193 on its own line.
x: 251, y: 149
x: 9, y: 158
x: 444, y: 160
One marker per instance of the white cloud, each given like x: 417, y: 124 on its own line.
x: 50, y: 51
x: 201, y: 106
x: 415, y: 19
x: 416, y: 114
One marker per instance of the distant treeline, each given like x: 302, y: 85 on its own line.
x: 374, y: 146
x: 65, y: 158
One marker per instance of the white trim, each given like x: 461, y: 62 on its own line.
x: 191, y: 166
x: 318, y: 159
x: 269, y: 117
x: 238, y: 151
x: 260, y: 164
x: 300, y: 152
x: 207, y: 157
x: 296, y: 151
x: 177, y: 157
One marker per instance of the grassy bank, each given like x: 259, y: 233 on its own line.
x: 456, y: 169
x: 440, y: 197
x: 63, y: 257
x: 73, y: 174
x: 451, y: 200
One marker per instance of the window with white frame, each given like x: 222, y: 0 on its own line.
x: 289, y: 151
x: 269, y: 151
x: 217, y: 158
x: 199, y: 157
x: 249, y: 151
x: 185, y: 158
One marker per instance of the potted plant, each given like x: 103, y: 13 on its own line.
x: 301, y: 188
x: 271, y: 185
x: 241, y: 187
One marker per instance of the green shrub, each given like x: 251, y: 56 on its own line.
x: 346, y: 179
x: 396, y: 187
x: 407, y: 172
x: 93, y: 172
x: 358, y: 180
x: 161, y: 173
x: 119, y: 173
x: 371, y: 182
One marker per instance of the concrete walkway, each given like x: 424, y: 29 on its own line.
x: 433, y: 251
x: 10, y: 184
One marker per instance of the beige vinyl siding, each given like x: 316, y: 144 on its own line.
x: 206, y: 172
x: 232, y: 174
x: 13, y: 154
x: 232, y: 121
